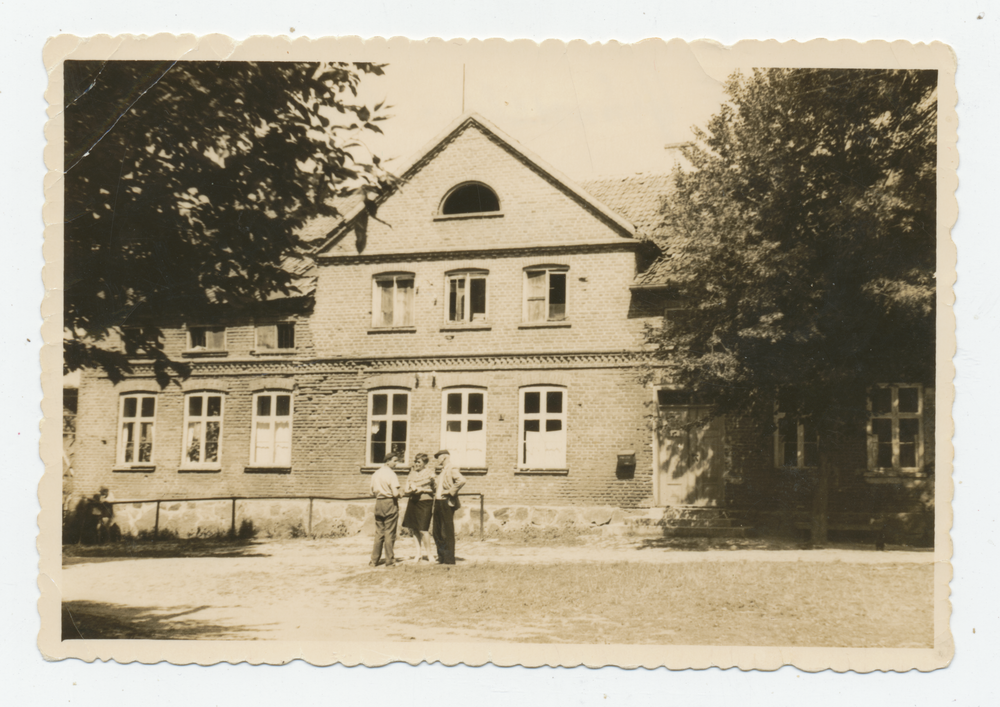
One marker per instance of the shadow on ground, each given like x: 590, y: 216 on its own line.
x: 134, y: 550
x: 89, y: 620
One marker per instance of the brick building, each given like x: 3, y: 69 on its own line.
x: 493, y: 308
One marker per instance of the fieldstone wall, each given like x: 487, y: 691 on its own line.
x: 292, y: 518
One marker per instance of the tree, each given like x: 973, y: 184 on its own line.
x: 186, y: 186
x: 806, y: 246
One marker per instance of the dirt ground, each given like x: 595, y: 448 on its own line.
x: 751, y: 592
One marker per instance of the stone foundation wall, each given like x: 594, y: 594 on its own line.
x: 291, y: 518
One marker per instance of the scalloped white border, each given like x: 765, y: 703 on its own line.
x: 717, y: 61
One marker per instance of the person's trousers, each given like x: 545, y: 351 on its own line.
x: 386, y: 517
x: 444, y: 531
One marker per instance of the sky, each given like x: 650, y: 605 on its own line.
x: 587, y: 111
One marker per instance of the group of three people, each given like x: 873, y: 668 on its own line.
x: 433, y: 497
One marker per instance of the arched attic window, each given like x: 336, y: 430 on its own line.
x: 470, y: 198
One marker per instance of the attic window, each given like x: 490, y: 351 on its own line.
x: 472, y: 198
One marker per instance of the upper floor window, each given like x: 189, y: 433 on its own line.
x: 271, y: 337
x: 464, y: 423
x: 895, y: 431
x: 545, y: 293
x: 388, y: 425
x: 392, y: 300
x: 543, y: 428
x: 466, y: 293
x: 140, y: 340
x: 471, y: 198
x: 137, y: 417
x: 207, y: 338
x: 272, y: 430
x: 202, y: 430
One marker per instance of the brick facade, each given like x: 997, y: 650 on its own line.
x: 341, y: 356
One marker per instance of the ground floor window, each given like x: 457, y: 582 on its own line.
x: 895, y: 436
x: 542, y: 428
x: 464, y: 433
x: 272, y: 430
x: 138, y: 419
x: 388, y: 425
x: 202, y: 429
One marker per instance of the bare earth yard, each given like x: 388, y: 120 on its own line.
x: 581, y: 590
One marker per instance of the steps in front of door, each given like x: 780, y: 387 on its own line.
x: 685, y: 522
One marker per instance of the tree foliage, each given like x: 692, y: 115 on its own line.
x: 186, y: 185
x: 806, y: 232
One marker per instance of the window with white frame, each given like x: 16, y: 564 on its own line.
x: 388, y: 425
x: 543, y: 428
x: 272, y: 429
x: 392, y: 300
x: 207, y: 338
x: 136, y: 431
x: 275, y: 337
x: 466, y: 296
x: 464, y: 426
x: 545, y: 293
x: 895, y: 430
x: 202, y: 430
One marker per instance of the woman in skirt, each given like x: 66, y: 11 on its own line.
x: 417, y: 519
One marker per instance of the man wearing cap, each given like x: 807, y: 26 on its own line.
x: 448, y: 482
x: 385, y: 489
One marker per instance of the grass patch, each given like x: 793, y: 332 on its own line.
x: 730, y: 603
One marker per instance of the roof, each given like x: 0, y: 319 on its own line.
x: 431, y: 149
x: 640, y: 199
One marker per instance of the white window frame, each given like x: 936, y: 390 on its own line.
x: 137, y: 421
x: 203, y: 419
x: 459, y: 451
x: 274, y: 461
x: 800, y: 442
x: 396, y: 299
x: 388, y: 418
x: 277, y: 338
x: 549, y: 270
x: 190, y: 338
x: 542, y: 416
x: 468, y: 276
x: 894, y: 415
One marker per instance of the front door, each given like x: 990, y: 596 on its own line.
x: 689, y: 461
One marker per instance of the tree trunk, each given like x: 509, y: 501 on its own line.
x: 821, y: 500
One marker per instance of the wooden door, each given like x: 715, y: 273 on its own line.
x: 690, y: 462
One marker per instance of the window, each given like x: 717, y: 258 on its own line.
x: 543, y: 428
x: 202, y: 430
x: 271, y: 337
x: 464, y: 433
x: 471, y: 198
x: 272, y: 430
x: 466, y: 293
x: 895, y: 436
x: 392, y: 304
x: 545, y: 294
x: 795, y: 443
x: 388, y: 425
x: 138, y: 417
x: 140, y: 341
x: 205, y: 338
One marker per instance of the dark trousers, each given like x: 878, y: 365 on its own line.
x: 386, y: 517
x: 444, y: 531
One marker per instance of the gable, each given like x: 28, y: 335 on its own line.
x: 538, y: 207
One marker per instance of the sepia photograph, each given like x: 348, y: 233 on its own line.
x: 500, y: 352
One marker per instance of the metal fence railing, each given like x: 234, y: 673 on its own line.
x: 311, y: 499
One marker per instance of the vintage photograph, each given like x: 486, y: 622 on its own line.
x: 501, y: 352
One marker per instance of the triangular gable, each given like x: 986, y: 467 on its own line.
x: 357, y: 216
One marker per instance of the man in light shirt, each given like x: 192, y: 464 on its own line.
x: 385, y: 489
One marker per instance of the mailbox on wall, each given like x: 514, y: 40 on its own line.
x: 626, y: 463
